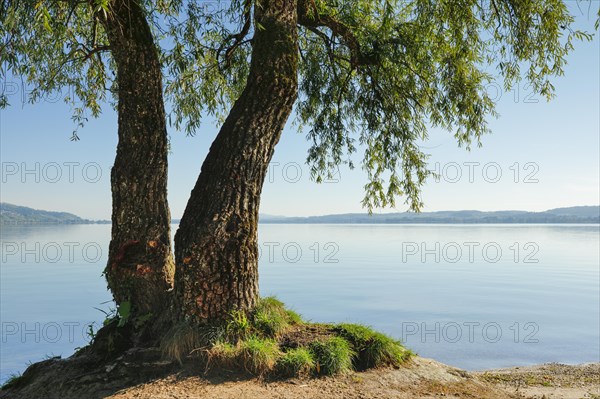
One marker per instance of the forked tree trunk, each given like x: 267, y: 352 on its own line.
x: 216, y: 247
x: 140, y: 263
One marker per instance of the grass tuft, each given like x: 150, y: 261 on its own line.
x: 269, y: 325
x: 294, y: 318
x: 296, y: 362
x: 251, y: 341
x: 373, y: 348
x: 223, y: 354
x: 182, y: 339
x: 238, y: 327
x: 270, y: 317
x: 13, y: 381
x: 258, y: 355
x: 332, y: 356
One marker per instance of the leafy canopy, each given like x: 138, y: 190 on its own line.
x: 374, y: 74
x: 380, y: 73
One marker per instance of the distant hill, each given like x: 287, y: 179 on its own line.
x: 577, y: 214
x: 13, y: 214
x: 583, y: 211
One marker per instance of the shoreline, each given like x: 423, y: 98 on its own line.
x: 143, y: 374
x: 422, y: 378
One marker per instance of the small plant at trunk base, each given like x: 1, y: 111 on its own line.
x: 373, y: 348
x: 124, y: 310
x: 332, y: 356
x: 296, y: 362
x: 238, y: 327
x: 259, y: 356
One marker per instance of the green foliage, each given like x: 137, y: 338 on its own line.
x: 270, y: 304
x: 332, y: 356
x: 13, y: 381
x: 374, y: 74
x: 296, y: 362
x: 269, y: 324
x: 90, y: 333
x: 373, y: 348
x: 259, y: 355
x: 253, y: 343
x: 62, y: 47
x: 294, y: 318
x: 380, y: 74
x: 270, y: 318
x: 207, y: 63
x: 124, y: 310
x: 224, y: 354
x: 56, y: 46
x: 238, y: 326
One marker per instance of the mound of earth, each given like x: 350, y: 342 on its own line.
x: 142, y: 374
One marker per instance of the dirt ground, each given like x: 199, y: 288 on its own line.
x: 548, y: 381
x: 419, y: 378
x: 423, y: 378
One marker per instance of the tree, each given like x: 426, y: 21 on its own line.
x: 76, y: 44
x: 374, y: 74
x: 109, y: 51
x: 216, y: 243
x: 140, y: 267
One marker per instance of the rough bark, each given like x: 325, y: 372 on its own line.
x: 216, y: 247
x: 140, y: 263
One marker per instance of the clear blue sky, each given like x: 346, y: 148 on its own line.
x: 553, y: 146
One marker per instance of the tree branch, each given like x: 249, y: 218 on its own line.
x: 312, y: 19
x: 95, y: 50
x: 238, y: 38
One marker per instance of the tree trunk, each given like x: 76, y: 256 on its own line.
x: 216, y: 247
x: 140, y: 264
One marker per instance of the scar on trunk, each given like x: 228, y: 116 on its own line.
x: 125, y: 253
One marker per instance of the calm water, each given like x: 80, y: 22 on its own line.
x: 476, y: 297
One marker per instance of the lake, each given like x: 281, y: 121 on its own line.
x: 473, y: 296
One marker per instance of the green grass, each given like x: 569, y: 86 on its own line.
x: 270, y: 318
x: 294, y: 318
x: 296, y: 362
x: 373, y: 349
x: 238, y: 327
x: 251, y: 341
x: 259, y: 355
x: 332, y: 356
x: 183, y: 339
x: 224, y: 354
x: 269, y: 324
x: 13, y: 381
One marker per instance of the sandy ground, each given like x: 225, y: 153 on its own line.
x: 548, y: 381
x: 419, y: 378
x: 423, y: 378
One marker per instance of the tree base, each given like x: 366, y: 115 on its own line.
x: 271, y: 342
x: 86, y: 375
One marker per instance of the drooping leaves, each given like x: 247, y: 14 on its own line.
x: 374, y: 74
